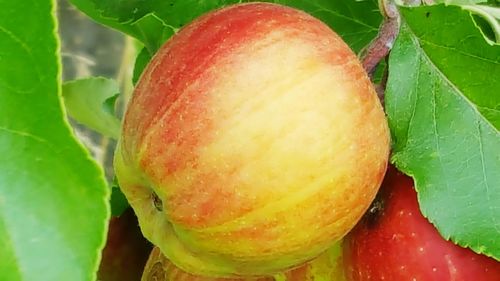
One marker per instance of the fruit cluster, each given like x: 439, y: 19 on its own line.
x: 254, y: 142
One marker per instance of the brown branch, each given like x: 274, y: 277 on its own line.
x: 379, y: 48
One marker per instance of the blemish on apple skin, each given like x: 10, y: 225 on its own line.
x: 157, y: 202
x: 451, y: 267
x: 373, y: 214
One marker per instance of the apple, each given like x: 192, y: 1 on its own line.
x: 159, y: 268
x: 126, y: 250
x: 395, y: 242
x: 326, y: 267
x: 254, y: 141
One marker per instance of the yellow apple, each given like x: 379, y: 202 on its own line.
x: 253, y: 142
x: 159, y: 268
x: 327, y: 267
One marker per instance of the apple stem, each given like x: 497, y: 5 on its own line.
x: 380, y: 47
x: 380, y: 87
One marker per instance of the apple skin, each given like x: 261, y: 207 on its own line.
x: 326, y: 267
x: 254, y: 141
x: 159, y: 268
x: 397, y: 243
x: 126, y: 250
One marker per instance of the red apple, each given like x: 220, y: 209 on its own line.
x: 394, y: 242
x: 253, y: 142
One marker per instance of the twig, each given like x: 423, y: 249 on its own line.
x: 379, y: 48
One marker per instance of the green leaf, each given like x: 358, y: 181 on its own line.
x: 109, y: 105
x: 150, y: 30
x: 490, y: 16
x: 53, y: 197
x: 443, y: 103
x: 88, y: 7
x: 154, y: 21
x: 88, y: 102
x: 128, y: 10
x: 118, y: 202
x: 357, y: 22
x: 140, y: 63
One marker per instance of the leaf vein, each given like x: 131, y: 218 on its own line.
x: 354, y: 20
x: 460, y: 52
x: 24, y: 134
x: 16, y: 39
x: 456, y: 91
x: 485, y: 179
